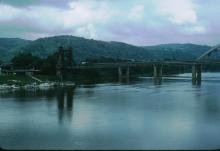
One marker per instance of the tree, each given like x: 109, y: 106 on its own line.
x: 49, y: 64
x: 26, y: 60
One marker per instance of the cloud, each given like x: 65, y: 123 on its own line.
x: 50, y: 19
x: 139, y: 22
x: 178, y: 11
x: 26, y: 3
x: 88, y: 31
x: 136, y: 12
x: 197, y: 29
x: 8, y: 12
x: 84, y: 13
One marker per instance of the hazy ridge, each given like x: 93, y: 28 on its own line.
x: 89, y: 48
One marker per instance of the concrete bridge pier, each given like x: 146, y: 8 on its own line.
x: 196, y: 74
x: 120, y: 74
x: 158, y: 71
x: 158, y: 74
x: 127, y: 74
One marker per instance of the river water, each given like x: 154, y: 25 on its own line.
x: 134, y: 115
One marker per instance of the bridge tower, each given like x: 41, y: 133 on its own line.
x: 64, y: 60
x: 60, y: 63
x: 69, y: 56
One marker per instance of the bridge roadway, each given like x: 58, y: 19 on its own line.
x: 140, y: 64
x: 157, y: 65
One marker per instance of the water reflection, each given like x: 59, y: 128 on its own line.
x: 211, y: 101
x: 33, y: 93
x: 138, y: 115
x: 124, y: 80
x: 63, y: 96
x: 196, y: 82
x: 157, y: 81
x: 65, y: 104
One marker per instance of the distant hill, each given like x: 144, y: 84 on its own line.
x: 91, y: 49
x: 177, y: 51
x: 9, y: 45
x: 85, y: 48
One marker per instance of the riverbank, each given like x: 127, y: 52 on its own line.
x: 26, y: 82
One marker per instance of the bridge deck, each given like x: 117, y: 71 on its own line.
x: 20, y: 70
x: 136, y: 64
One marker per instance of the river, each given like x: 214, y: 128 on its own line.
x: 133, y: 115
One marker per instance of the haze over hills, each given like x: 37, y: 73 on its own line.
x: 90, y: 49
x: 177, y: 51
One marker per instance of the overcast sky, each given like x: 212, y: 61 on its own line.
x: 138, y: 22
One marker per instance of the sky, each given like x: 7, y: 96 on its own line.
x: 137, y: 22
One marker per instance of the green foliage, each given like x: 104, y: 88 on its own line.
x: 10, y: 46
x: 26, y: 60
x: 82, y: 48
x: 87, y: 49
x: 17, y: 80
x: 177, y: 51
x: 49, y: 64
x: 3, y: 53
x: 9, y: 43
x: 105, y: 60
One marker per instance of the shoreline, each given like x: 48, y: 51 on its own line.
x: 27, y: 83
x: 35, y: 86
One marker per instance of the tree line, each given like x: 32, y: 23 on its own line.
x: 47, y: 65
x: 27, y: 61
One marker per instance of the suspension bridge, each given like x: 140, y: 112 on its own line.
x: 65, y: 62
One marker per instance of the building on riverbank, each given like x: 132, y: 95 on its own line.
x: 4, y: 68
x: 8, y: 69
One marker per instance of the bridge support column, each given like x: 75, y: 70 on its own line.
x: 196, y: 74
x: 60, y: 63
x: 127, y: 74
x: 158, y: 74
x: 119, y: 73
x: 121, y: 76
x: 158, y: 71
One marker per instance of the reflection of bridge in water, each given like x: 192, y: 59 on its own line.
x: 65, y: 103
x: 196, y: 65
